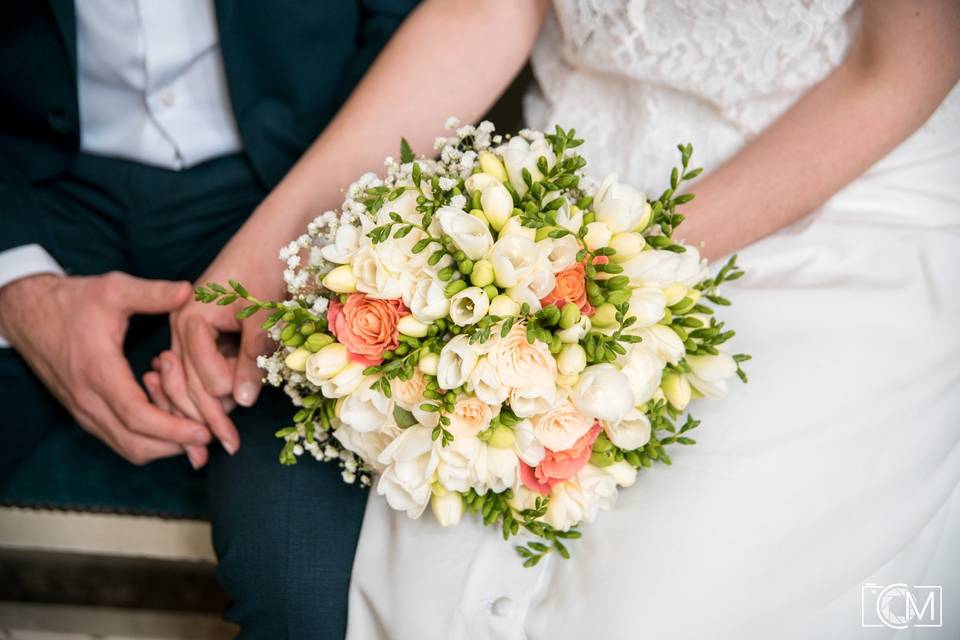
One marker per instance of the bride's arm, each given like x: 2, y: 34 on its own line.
x: 904, y: 62
x: 450, y: 57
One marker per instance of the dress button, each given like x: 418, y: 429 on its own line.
x: 167, y: 98
x: 502, y: 607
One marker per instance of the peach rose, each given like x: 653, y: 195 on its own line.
x: 558, y: 466
x: 571, y: 286
x: 522, y: 365
x: 470, y: 416
x: 408, y: 394
x: 366, y: 326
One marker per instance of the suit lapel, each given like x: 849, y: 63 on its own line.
x: 63, y: 13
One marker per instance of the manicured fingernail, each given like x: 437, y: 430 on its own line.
x: 230, y: 447
x: 246, y: 394
x: 200, y: 436
x: 193, y: 463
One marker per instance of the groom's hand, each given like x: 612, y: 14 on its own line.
x: 71, y: 330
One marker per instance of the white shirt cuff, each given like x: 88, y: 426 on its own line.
x: 28, y: 260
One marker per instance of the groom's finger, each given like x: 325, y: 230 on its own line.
x: 174, y: 383
x: 248, y: 378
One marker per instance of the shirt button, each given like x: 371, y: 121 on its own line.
x: 167, y: 98
x: 502, y: 607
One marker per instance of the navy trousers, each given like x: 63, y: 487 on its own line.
x: 285, y: 537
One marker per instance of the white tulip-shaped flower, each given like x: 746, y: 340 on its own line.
x: 458, y: 358
x: 603, y: 392
x: 427, y: 300
x: 410, y: 462
x: 514, y: 259
x: 447, y: 508
x: 345, y: 243
x: 470, y: 234
x: 621, y: 206
x: 631, y: 432
x: 519, y: 154
x: 497, y: 204
x: 366, y: 409
x: 469, y: 306
x: 709, y: 374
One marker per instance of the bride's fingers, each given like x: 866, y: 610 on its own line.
x: 248, y: 377
x: 151, y: 380
x: 197, y: 455
x: 174, y: 383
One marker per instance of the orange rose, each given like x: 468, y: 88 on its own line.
x: 571, y: 287
x: 366, y: 326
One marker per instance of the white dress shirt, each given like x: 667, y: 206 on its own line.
x: 151, y: 89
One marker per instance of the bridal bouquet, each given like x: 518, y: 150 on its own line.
x: 493, y: 332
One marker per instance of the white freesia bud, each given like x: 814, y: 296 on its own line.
x: 632, y: 432
x: 624, y: 473
x: 297, y: 360
x: 514, y: 258
x: 626, y: 245
x: 567, y: 381
x: 619, y: 205
x: 344, y: 382
x: 428, y: 302
x: 513, y: 227
x: 491, y: 165
x: 410, y: 326
x: 341, y: 280
x: 326, y: 363
x: 520, y: 154
x: 366, y: 409
x: 497, y: 205
x: 647, y: 305
x: 478, y: 182
x: 598, y: 235
x: 344, y: 245
x: 709, y: 373
x: 467, y: 232
x: 429, y: 363
x: 447, y: 508
x: 677, y: 390
x: 603, y: 392
x: 457, y: 361
x: 469, y: 306
x: 572, y: 359
x: 503, y: 306
x: 576, y: 332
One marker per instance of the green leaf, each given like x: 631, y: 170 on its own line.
x: 406, y: 153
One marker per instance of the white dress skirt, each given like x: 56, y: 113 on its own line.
x: 837, y: 467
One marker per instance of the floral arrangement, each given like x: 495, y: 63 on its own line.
x: 493, y: 332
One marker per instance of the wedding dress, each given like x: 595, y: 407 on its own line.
x: 837, y: 466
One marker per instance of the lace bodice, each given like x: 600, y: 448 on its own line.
x: 636, y: 77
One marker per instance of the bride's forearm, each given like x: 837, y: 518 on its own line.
x: 904, y: 62
x: 450, y: 57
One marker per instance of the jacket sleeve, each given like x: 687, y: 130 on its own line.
x: 378, y: 20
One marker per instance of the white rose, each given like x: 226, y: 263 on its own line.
x: 519, y: 154
x: 514, y: 258
x: 561, y: 426
x: 663, y: 342
x: 497, y: 204
x: 447, y: 508
x: 522, y: 365
x: 427, y: 300
x: 366, y: 409
x: 603, y: 392
x: 569, y: 505
x: 469, y: 306
x: 326, y: 363
x: 345, y: 243
x: 600, y: 488
x: 467, y: 232
x: 344, y: 382
x: 643, y: 370
x: 560, y: 253
x: 409, y: 464
x: 458, y: 460
x: 376, y: 275
x: 598, y: 235
x: 486, y: 383
x: 368, y: 445
x: 709, y: 374
x: 408, y: 394
x: 632, y: 432
x: 457, y: 361
x: 619, y: 205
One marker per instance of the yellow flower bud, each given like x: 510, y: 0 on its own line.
x: 598, y: 235
x: 297, y: 360
x: 492, y: 165
x: 341, y: 280
x: 674, y: 293
x: 410, y: 326
x: 567, y: 381
x: 429, y: 363
x: 482, y: 273
x: 645, y: 220
x: 627, y: 245
x: 497, y: 205
x: 569, y: 315
x: 677, y: 390
x: 326, y: 363
x: 502, y: 438
x: 478, y: 214
x: 572, y: 360
x: 503, y: 306
x: 605, y: 316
